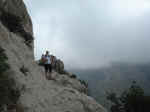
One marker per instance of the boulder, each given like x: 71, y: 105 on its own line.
x: 60, y: 66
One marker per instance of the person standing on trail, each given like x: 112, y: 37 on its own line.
x: 47, y: 65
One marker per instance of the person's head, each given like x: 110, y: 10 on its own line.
x: 47, y: 52
x: 42, y: 55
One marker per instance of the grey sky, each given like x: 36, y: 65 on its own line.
x: 92, y: 33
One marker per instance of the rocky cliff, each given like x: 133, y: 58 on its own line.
x: 37, y: 94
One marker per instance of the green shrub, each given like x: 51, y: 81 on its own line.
x: 131, y: 100
x: 84, y: 83
x: 3, y: 58
x: 73, y: 76
x: 9, y: 94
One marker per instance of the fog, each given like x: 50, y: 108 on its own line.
x: 92, y: 33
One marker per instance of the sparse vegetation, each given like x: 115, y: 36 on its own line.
x: 3, y: 58
x: 9, y: 94
x: 131, y: 100
x: 73, y: 76
x: 84, y: 83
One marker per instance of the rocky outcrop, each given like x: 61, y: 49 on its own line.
x: 37, y: 94
x: 17, y: 7
x: 57, y: 65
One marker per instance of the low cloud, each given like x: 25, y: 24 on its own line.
x: 92, y: 33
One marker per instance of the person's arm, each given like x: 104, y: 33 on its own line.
x: 45, y: 59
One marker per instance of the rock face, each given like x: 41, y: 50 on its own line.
x: 38, y: 94
x: 17, y: 8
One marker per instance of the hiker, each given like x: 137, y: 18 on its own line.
x: 47, y: 65
x: 42, y: 61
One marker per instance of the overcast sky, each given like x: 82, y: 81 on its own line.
x: 92, y: 33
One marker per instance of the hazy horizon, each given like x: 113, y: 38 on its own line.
x: 92, y: 33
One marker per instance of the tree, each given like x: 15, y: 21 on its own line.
x: 131, y: 100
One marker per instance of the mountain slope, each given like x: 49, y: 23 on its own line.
x: 117, y: 78
x: 37, y: 93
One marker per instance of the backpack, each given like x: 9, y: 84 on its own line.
x: 42, y: 60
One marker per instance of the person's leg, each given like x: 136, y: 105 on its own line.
x: 49, y: 71
x: 50, y: 68
x: 46, y: 70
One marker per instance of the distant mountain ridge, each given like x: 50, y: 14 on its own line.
x: 115, y: 77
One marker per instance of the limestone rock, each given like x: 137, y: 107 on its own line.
x: 17, y: 7
x: 38, y: 94
x: 66, y: 81
x: 57, y: 65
